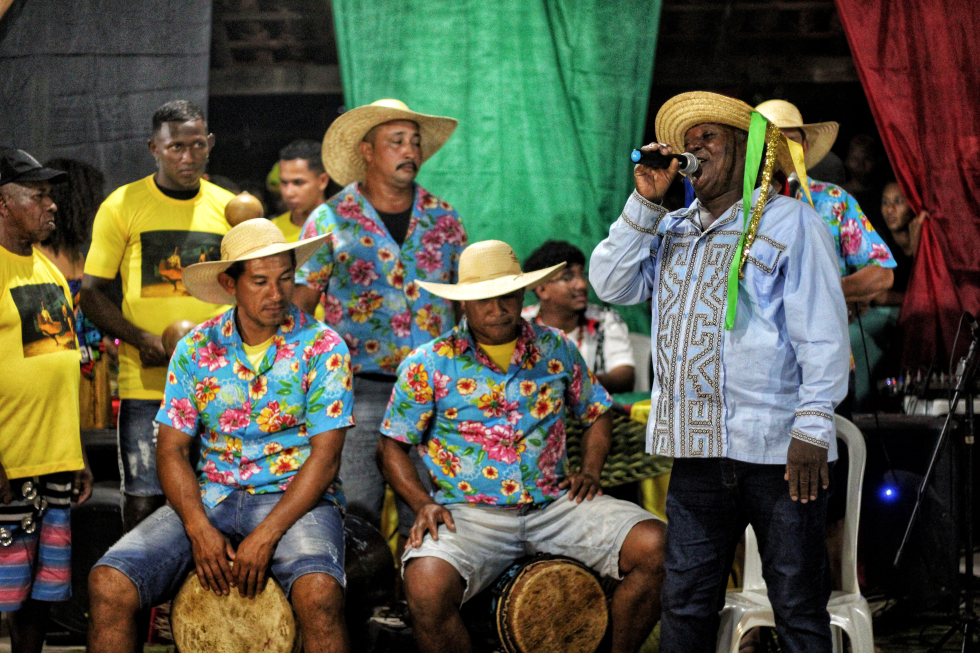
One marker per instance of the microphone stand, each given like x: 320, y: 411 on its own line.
x: 966, y: 619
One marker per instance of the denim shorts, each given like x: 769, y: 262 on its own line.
x: 138, y: 447
x: 489, y: 539
x: 157, y: 554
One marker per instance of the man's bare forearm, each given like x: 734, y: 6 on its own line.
x: 868, y: 282
x: 177, y: 477
x: 619, y: 379
x: 306, y: 298
x: 596, y: 441
x: 400, y: 472
x: 105, y: 315
x: 310, y: 483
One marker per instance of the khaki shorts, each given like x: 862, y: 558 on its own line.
x: 488, y: 540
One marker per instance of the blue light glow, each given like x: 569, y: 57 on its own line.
x: 888, y: 493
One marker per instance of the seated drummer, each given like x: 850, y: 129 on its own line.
x: 485, y: 403
x: 268, y: 389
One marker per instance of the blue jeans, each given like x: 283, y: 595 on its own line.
x: 156, y: 555
x: 709, y: 503
x: 138, y: 447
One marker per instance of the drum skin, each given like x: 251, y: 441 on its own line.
x: 204, y: 622
x: 552, y: 606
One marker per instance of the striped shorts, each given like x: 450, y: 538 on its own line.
x: 37, y: 565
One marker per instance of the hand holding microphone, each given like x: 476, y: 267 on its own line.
x: 656, y: 168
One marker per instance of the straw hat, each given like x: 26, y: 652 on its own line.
x: 489, y: 269
x: 250, y: 240
x: 687, y: 110
x: 341, y: 155
x: 820, y: 136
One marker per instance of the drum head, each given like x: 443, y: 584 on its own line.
x: 204, y: 622
x: 553, y: 606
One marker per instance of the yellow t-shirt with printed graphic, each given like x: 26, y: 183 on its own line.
x: 149, y: 238
x: 39, y: 369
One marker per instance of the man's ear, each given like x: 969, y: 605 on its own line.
x: 322, y: 180
x: 211, y: 142
x: 228, y: 284
x: 367, y: 151
x: 152, y: 145
x: 540, y: 292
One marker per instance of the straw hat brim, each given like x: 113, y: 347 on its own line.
x: 466, y: 292
x: 687, y: 110
x: 341, y: 154
x: 820, y: 137
x: 201, y: 279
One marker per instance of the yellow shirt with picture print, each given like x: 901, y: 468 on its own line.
x: 39, y: 369
x: 149, y: 239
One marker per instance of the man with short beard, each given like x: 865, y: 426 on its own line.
x: 751, y: 353
x: 386, y: 233
x: 263, y: 393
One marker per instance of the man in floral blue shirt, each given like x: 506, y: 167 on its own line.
x: 864, y: 259
x: 385, y: 233
x: 264, y: 391
x: 485, y: 405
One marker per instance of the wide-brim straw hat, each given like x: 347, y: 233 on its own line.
x: 341, y: 152
x: 687, y: 110
x: 249, y: 240
x: 820, y: 136
x: 488, y: 269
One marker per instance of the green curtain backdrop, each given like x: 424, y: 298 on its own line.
x: 550, y: 95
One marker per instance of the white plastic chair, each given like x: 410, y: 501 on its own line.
x: 849, y: 611
x: 641, y: 353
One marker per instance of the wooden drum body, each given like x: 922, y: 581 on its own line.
x: 204, y: 622
x: 550, y: 604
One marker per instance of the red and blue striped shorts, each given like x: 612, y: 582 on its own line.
x: 37, y: 565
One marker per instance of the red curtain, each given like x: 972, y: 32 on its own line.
x: 919, y: 63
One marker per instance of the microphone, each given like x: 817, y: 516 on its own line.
x: 972, y: 323
x: 794, y: 184
x: 654, y: 159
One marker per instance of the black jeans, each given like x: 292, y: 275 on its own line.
x: 709, y: 503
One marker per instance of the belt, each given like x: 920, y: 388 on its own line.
x: 32, y: 497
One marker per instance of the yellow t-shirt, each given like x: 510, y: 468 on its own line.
x: 286, y: 226
x: 149, y: 239
x: 255, y: 353
x: 39, y: 369
x: 500, y: 354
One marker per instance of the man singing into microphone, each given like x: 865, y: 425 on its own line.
x: 750, y: 331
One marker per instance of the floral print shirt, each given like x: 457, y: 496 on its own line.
x: 492, y: 436
x: 367, y: 282
x: 255, y: 424
x: 858, y: 244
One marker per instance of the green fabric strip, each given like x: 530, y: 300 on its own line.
x: 753, y: 158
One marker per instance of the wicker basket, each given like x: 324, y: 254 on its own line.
x: 627, y: 461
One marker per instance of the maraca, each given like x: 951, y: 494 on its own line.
x: 174, y: 333
x: 242, y: 207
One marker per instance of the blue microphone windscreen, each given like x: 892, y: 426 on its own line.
x: 635, y: 156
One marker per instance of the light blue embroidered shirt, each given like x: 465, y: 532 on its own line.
x: 778, y: 373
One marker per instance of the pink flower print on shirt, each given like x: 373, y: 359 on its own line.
x: 182, y: 413
x: 429, y: 260
x: 233, y: 419
x: 850, y: 238
x: 401, y: 325
x: 362, y: 272
x: 212, y: 357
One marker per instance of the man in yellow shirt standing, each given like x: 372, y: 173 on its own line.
x: 148, y: 232
x: 40, y: 445
x: 302, y: 183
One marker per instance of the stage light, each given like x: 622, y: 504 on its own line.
x: 888, y: 493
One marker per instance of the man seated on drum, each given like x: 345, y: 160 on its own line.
x: 485, y: 403
x: 268, y: 391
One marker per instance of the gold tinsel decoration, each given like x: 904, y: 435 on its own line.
x: 772, y: 142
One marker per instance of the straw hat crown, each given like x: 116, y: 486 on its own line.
x: 341, y: 152
x: 247, y: 241
x: 687, y: 110
x: 488, y: 269
x: 820, y: 136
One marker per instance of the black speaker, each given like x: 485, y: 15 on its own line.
x: 899, y: 450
